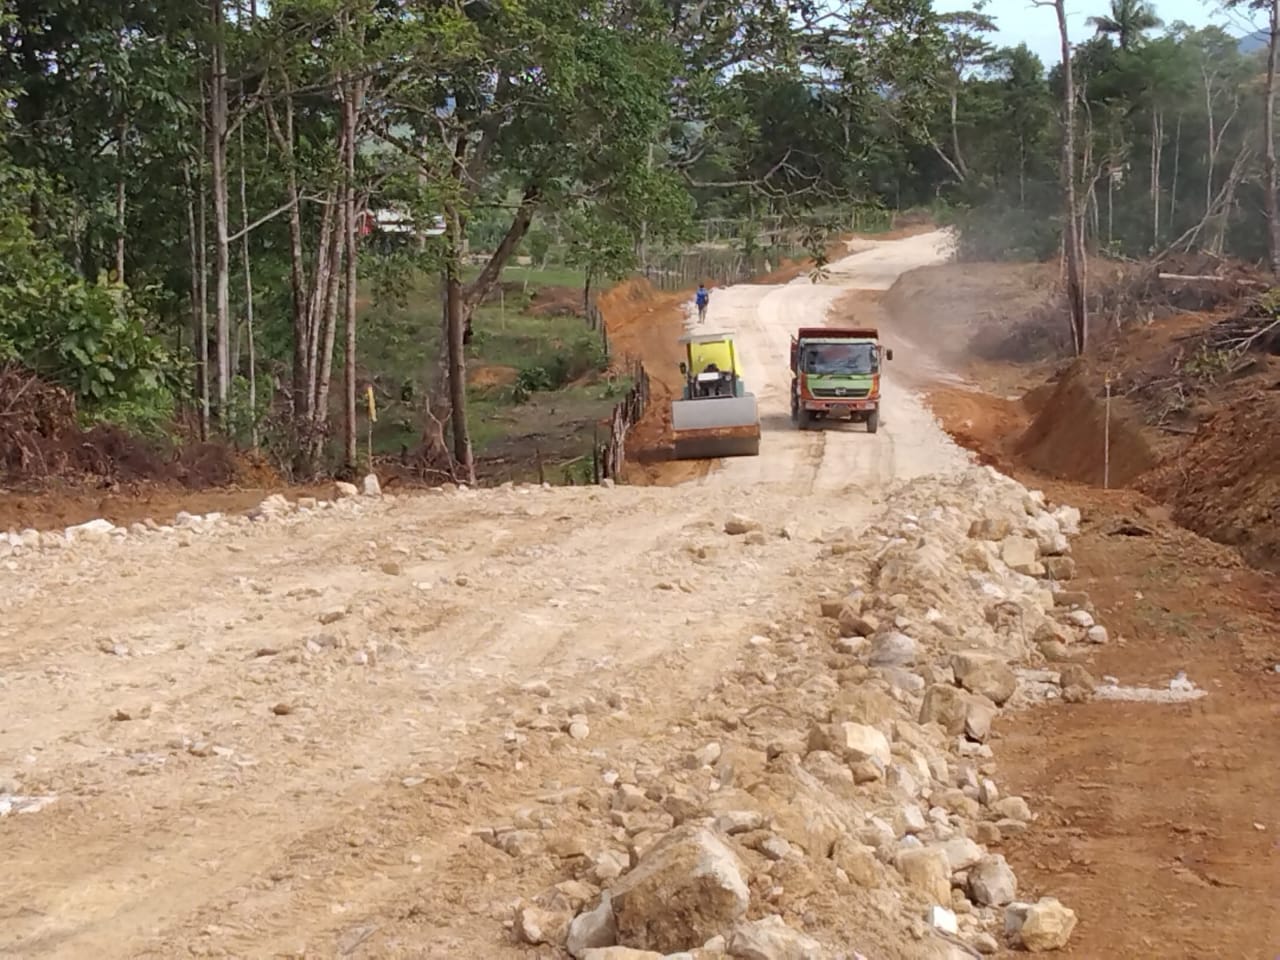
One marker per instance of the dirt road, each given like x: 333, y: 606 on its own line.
x: 257, y: 735
x: 841, y: 457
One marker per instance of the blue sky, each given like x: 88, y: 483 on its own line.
x: 1020, y: 22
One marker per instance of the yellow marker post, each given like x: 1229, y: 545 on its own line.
x: 1106, y: 437
x: 373, y: 418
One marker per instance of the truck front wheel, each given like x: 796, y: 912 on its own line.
x: 873, y: 421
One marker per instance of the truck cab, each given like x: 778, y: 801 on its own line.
x: 835, y: 373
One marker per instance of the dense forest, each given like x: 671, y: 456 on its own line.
x: 187, y: 188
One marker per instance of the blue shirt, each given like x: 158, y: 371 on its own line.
x: 702, y: 297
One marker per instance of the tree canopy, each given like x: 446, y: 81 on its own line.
x: 186, y: 187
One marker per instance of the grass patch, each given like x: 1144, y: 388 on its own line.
x: 532, y: 388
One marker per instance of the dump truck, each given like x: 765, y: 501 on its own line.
x: 835, y: 373
x: 715, y: 415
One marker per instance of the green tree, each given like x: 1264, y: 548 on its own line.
x: 1127, y: 22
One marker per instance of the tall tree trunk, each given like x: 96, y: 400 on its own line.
x: 284, y: 138
x: 1269, y: 134
x: 955, y: 131
x: 1022, y: 172
x: 316, y: 298
x: 222, y: 247
x: 329, y: 321
x: 205, y: 389
x: 456, y: 323
x: 120, y: 199
x: 1173, y: 182
x: 1072, y: 245
x: 350, y: 107
x: 199, y: 326
x: 1157, y: 143
x: 248, y: 299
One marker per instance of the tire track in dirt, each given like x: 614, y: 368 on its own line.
x: 208, y: 823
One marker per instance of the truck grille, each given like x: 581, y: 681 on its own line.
x: 841, y: 393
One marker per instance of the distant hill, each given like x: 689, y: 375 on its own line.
x: 1253, y: 42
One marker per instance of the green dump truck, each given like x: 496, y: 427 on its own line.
x: 835, y: 373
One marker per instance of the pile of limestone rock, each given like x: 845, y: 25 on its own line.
x: 844, y: 801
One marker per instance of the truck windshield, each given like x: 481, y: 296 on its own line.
x: 836, y: 359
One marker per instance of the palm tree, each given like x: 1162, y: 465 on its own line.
x: 1129, y: 20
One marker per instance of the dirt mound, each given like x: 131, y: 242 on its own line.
x: 1066, y: 438
x: 1225, y: 484
x: 981, y: 423
x: 43, y: 447
x: 41, y: 439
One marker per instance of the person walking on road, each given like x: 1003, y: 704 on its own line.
x: 701, y: 299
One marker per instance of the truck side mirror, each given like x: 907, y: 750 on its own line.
x: 684, y: 368
x: 888, y: 354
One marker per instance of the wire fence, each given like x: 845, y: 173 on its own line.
x: 611, y: 456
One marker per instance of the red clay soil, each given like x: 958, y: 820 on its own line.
x: 1225, y: 483
x: 1158, y: 824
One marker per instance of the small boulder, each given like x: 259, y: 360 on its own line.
x: 958, y: 711
x: 854, y: 623
x: 927, y: 870
x: 859, y: 862
x: 370, y: 486
x: 990, y: 528
x: 737, y: 525
x: 686, y: 889
x: 91, y: 530
x: 962, y: 853
x: 533, y: 925
x: 592, y: 928
x: 984, y: 674
x: 992, y: 882
x: 772, y: 939
x: 1021, y: 554
x: 1012, y: 808
x: 344, y: 491
x: 1060, y: 568
x: 1039, y: 927
x: 852, y: 742
x: 893, y: 649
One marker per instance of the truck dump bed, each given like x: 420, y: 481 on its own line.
x: 837, y: 333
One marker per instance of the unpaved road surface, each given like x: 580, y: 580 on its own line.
x: 259, y: 735
x: 840, y: 457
